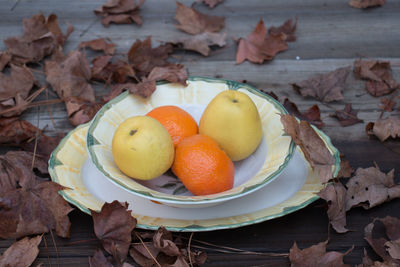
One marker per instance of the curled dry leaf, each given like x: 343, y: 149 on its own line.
x: 324, y: 87
x: 345, y: 169
x: 393, y: 248
x: 312, y: 115
x: 378, y: 75
x: 142, y: 256
x: 80, y: 111
x: 162, y: 240
x: 211, y: 3
x: 99, y: 260
x: 384, y: 128
x: 144, y: 58
x: 120, y: 12
x: 104, y: 70
x: 316, y: 256
x: 195, y: 22
x: 347, y: 116
x: 387, y: 104
x: 201, y: 42
x: 174, y: 73
x: 99, y: 45
x: 22, y: 252
x: 15, y: 88
x: 288, y: 28
x: 113, y: 225
x: 335, y: 195
x: 5, y: 58
x: 366, y: 3
x: 259, y: 46
x: 42, y: 36
x: 313, y: 147
x: 370, y: 187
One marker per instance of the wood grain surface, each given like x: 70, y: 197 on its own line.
x: 330, y: 34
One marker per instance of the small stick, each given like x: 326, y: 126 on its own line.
x: 36, y: 138
x: 55, y: 247
x: 188, y: 249
x: 47, y: 249
x: 148, y: 251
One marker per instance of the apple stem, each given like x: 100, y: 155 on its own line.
x: 132, y: 132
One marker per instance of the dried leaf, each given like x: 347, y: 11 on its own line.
x: 313, y: 147
x: 393, y: 248
x: 99, y: 45
x: 345, y: 169
x: 347, y: 116
x: 5, y: 58
x: 80, y: 111
x: 120, y: 12
x: 194, y: 22
x: 211, y: 3
x: 99, y: 260
x: 144, y: 58
x: 387, y: 104
x: 288, y: 28
x: 21, y: 253
x: 41, y: 37
x: 324, y: 87
x: 174, y: 73
x: 259, y: 46
x: 366, y: 3
x: 201, y: 42
x: 378, y: 75
x: 118, y: 72
x: 384, y: 128
x: 370, y: 187
x: 141, y: 254
x: 162, y: 240
x: 312, y: 115
x: 113, y: 226
x: 335, y: 196
x: 316, y: 256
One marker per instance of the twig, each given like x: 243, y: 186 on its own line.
x: 88, y: 27
x: 82, y: 241
x: 188, y: 249
x: 47, y: 249
x: 148, y: 251
x: 15, y: 5
x: 55, y: 247
x: 36, y: 138
x: 49, y: 111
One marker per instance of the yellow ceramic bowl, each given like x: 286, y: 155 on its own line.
x: 252, y: 173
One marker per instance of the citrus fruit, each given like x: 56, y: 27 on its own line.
x: 202, y: 166
x: 142, y: 148
x: 178, y: 122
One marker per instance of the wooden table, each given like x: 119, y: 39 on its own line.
x: 330, y: 35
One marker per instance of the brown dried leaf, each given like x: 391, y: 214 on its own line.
x: 313, y: 147
x: 324, y: 87
x: 21, y: 253
x: 211, y: 3
x: 144, y: 58
x: 201, y: 42
x: 162, y: 240
x: 113, y: 225
x: 345, y: 169
x: 347, y: 116
x: 393, y: 248
x: 143, y: 89
x: 141, y: 254
x: 259, y: 46
x: 120, y: 12
x: 366, y: 3
x: 288, y: 28
x: 316, y: 256
x: 384, y: 128
x: 370, y: 187
x: 174, y: 73
x: 119, y: 71
x: 195, y: 22
x: 80, y: 111
x: 99, y: 260
x: 335, y: 196
x: 378, y: 75
x: 5, y: 58
x: 99, y: 45
x: 41, y: 37
x: 387, y: 104
x: 312, y: 115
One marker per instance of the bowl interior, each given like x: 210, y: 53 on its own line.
x: 252, y: 173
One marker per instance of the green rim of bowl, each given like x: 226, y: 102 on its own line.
x: 232, y: 85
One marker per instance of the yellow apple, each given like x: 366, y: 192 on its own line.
x: 232, y: 119
x: 142, y: 148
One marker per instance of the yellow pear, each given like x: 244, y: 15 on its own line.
x: 142, y: 148
x: 232, y: 119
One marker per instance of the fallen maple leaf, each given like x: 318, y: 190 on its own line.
x: 366, y: 3
x: 120, y: 12
x: 378, y: 75
x: 370, y: 187
x: 345, y: 169
x: 195, y: 22
x: 201, y: 42
x: 288, y: 28
x: 312, y: 115
x: 259, y: 46
x: 393, y: 247
x: 41, y: 38
x: 211, y: 3
x: 5, y: 58
x: 99, y: 260
x: 384, y: 128
x: 335, y: 196
x: 80, y: 111
x: 313, y: 147
x: 347, y: 116
x: 144, y: 256
x: 316, y: 256
x: 324, y: 87
x: 113, y: 225
x: 15, y: 88
x: 387, y: 104
x: 99, y: 45
x: 119, y: 71
x: 174, y: 73
x: 144, y: 58
x: 21, y: 253
x: 162, y: 240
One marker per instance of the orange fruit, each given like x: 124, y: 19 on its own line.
x: 178, y: 122
x: 202, y: 166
